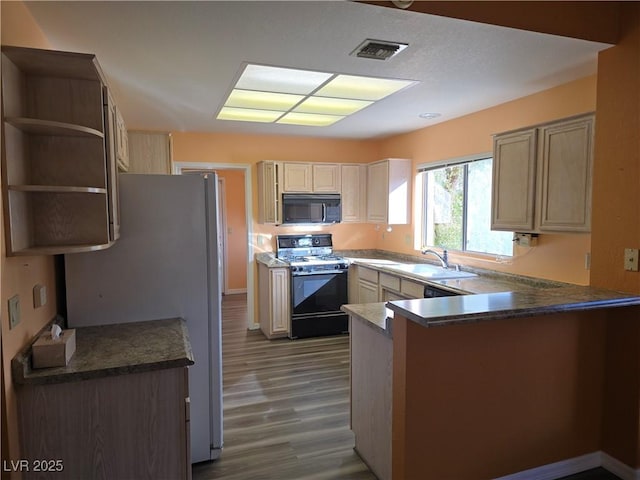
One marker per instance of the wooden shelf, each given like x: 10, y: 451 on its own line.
x: 60, y: 249
x: 56, y: 189
x: 59, y: 172
x: 49, y: 127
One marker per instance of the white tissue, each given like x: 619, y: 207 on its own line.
x: 55, y: 332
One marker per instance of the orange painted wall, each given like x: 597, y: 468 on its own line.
x: 20, y: 274
x: 250, y: 149
x: 557, y: 257
x: 494, y: 398
x: 616, y: 189
x: 616, y: 225
x: 236, y: 229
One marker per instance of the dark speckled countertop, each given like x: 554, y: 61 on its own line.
x: 114, y: 350
x: 489, y: 296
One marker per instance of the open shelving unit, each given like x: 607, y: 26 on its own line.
x: 58, y: 182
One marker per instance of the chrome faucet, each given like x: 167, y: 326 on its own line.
x: 444, y: 258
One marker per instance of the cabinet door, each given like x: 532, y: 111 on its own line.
x: 367, y: 292
x: 411, y: 289
x: 326, y: 178
x: 377, y: 186
x: 268, y: 193
x: 112, y: 169
x: 122, y: 142
x: 279, y: 286
x: 514, y: 181
x: 390, y: 296
x: 566, y: 162
x: 273, y: 298
x: 353, y: 193
x: 149, y: 152
x: 296, y: 177
x: 398, y: 191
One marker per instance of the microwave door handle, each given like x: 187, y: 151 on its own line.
x: 324, y: 212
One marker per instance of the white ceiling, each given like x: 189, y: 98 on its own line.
x: 171, y: 64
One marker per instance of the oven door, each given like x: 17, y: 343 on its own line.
x: 315, y: 304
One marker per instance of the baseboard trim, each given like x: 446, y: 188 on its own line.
x: 559, y: 469
x: 574, y: 465
x: 622, y: 470
x: 235, y: 291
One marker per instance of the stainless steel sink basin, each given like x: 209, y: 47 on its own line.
x: 430, y: 272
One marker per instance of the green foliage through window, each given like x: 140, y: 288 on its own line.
x: 457, y: 201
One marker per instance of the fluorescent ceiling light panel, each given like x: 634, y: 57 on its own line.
x: 262, y: 100
x: 331, y: 106
x: 302, y: 97
x: 248, y: 115
x: 281, y: 80
x: 362, y: 88
x: 309, y: 119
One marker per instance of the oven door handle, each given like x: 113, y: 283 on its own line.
x: 319, y: 272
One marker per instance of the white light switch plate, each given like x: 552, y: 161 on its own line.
x: 631, y: 259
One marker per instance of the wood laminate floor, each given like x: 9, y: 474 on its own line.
x: 285, y: 406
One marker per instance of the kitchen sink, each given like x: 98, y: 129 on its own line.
x: 430, y: 272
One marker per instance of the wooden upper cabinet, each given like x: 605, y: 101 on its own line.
x: 310, y: 177
x: 111, y: 142
x: 326, y: 178
x: 269, y: 208
x: 296, y: 177
x: 149, y: 152
x: 566, y: 166
x: 122, y: 143
x: 389, y: 191
x: 514, y: 181
x: 353, y: 193
x: 542, y: 177
x: 59, y: 190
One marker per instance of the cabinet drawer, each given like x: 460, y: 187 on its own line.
x: 368, y: 274
x: 390, y: 282
x: 412, y: 289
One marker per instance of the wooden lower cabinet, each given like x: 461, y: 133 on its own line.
x: 371, y: 396
x: 123, y: 426
x: 273, y: 295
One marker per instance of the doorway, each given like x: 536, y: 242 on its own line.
x: 243, y: 171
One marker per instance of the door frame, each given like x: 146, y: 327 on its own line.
x: 248, y: 205
x: 222, y: 232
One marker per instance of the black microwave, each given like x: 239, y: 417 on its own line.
x: 301, y: 208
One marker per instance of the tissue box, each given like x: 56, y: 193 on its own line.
x: 47, y: 352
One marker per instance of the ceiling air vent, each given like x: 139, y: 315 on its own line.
x: 378, y: 49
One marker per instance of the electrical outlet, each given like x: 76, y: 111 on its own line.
x: 525, y: 239
x: 631, y: 259
x: 14, y: 311
x: 39, y: 296
x: 408, y: 240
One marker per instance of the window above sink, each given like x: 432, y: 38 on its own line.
x: 456, y: 207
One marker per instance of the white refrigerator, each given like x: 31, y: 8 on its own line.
x: 165, y: 264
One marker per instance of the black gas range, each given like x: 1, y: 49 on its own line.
x: 318, y: 284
